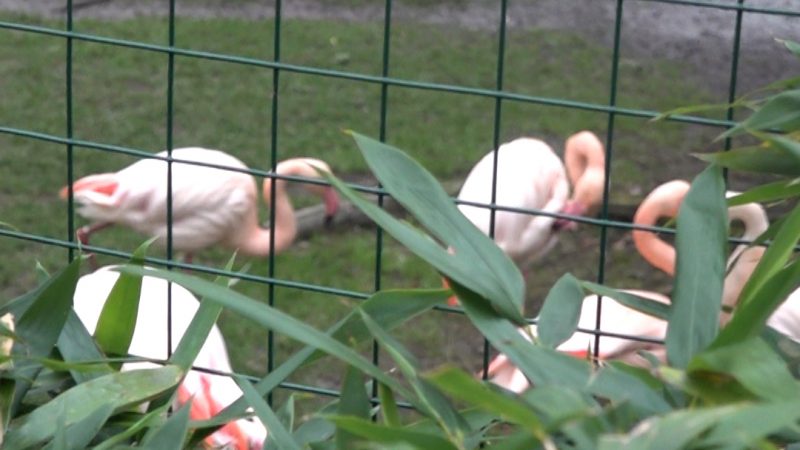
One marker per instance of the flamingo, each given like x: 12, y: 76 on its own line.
x: 531, y: 176
x: 209, y: 205
x: 210, y: 393
x: 615, y: 319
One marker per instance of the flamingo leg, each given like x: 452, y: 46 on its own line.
x: 83, y: 234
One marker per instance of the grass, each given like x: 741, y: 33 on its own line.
x: 120, y: 99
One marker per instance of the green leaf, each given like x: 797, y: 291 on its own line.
x: 199, y: 328
x: 556, y: 405
x: 171, y: 435
x: 42, y: 275
x: 560, y: 312
x: 354, y: 402
x: 744, y: 428
x: 389, y: 411
x: 792, y: 46
x: 465, y: 388
x: 766, y: 193
x: 478, y: 263
x: 318, y: 429
x: 277, y: 432
x: 780, y: 112
x: 391, y: 435
x: 40, y: 325
x: 623, y: 387
x: 543, y: 366
x: 750, y: 317
x: 517, y: 441
x: 119, y: 390
x: 77, y: 346
x: 761, y: 159
x: 270, y: 318
x: 430, y: 401
x: 80, y: 434
x: 752, y: 364
x: 774, y: 259
x: 641, y: 304
x: 150, y: 419
x: 388, y: 308
x: 701, y: 243
x: 117, y: 321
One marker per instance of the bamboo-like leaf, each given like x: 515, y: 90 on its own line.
x: 762, y: 159
x: 286, y: 413
x: 80, y: 434
x: 198, y: 329
x: 318, y: 429
x: 543, y: 366
x: 620, y: 386
x: 517, y: 441
x: 744, y: 428
x: 766, y: 193
x: 389, y: 411
x: 792, y: 46
x: 42, y: 275
x: 117, y: 320
x: 171, y: 435
x: 391, y: 435
x: 388, y: 308
x: 701, y: 243
x: 750, y: 317
x: 465, y: 388
x: 270, y: 318
x: 119, y: 390
x: 354, y: 402
x: 40, y: 325
x: 151, y: 419
x: 430, y: 399
x: 780, y: 112
x: 560, y: 312
x: 775, y: 258
x: 751, y: 364
x: 77, y: 346
x: 641, y: 304
x: 277, y: 432
x: 477, y: 264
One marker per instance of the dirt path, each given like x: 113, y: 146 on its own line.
x: 702, y: 38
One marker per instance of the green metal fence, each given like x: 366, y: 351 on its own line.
x: 386, y: 82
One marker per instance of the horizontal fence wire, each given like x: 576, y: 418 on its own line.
x: 385, y: 82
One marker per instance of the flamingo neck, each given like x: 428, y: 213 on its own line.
x: 744, y: 258
x: 585, y: 162
x: 258, y: 241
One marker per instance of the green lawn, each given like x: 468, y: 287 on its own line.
x: 120, y: 99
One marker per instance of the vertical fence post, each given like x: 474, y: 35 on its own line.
x: 737, y: 36
x: 273, y: 181
x: 170, y: 111
x: 612, y: 102
x: 70, y: 162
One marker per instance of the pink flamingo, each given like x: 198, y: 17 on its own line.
x: 210, y: 393
x: 209, y: 205
x: 531, y: 176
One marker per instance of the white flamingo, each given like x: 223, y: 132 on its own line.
x: 210, y: 393
x: 209, y: 205
x: 531, y: 176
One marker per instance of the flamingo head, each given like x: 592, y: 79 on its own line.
x: 572, y: 208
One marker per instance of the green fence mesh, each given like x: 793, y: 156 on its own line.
x: 498, y: 93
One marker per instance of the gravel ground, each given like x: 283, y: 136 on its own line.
x: 699, y: 37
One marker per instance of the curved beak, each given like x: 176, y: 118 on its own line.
x: 572, y: 208
x: 331, y: 199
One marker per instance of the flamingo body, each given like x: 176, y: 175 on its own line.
x: 210, y: 393
x: 615, y: 318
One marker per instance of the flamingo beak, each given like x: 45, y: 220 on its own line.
x: 452, y: 300
x: 331, y: 200
x: 204, y: 406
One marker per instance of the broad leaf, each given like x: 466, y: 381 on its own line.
x: 622, y: 387
x: 471, y: 391
x: 762, y: 159
x: 354, y: 402
x: 780, y: 112
x: 117, y: 321
x: 270, y: 318
x: 391, y: 435
x: 277, y: 432
x: 701, y: 243
x: 766, y: 193
x: 389, y: 412
x: 171, y: 435
x: 560, y: 312
x: 39, y: 327
x: 744, y: 428
x: 478, y: 263
x: 77, y: 346
x: 641, y: 304
x: 430, y: 401
x: 119, y: 390
x: 80, y: 434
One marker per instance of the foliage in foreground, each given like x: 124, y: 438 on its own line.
x: 722, y: 387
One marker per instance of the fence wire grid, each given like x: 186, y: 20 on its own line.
x: 498, y: 94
